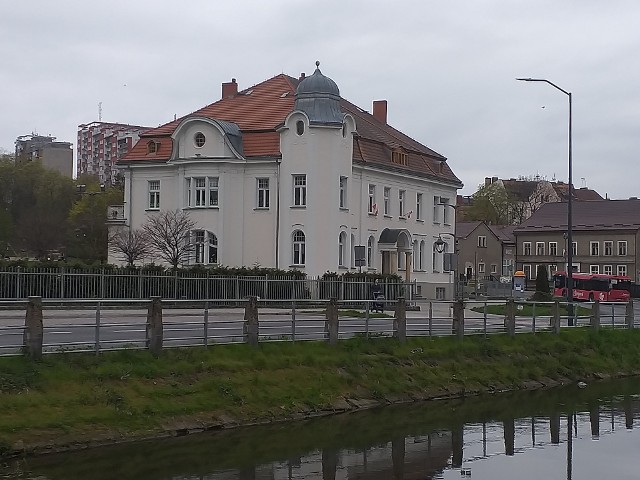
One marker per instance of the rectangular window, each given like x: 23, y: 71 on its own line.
x: 622, y: 270
x: 494, y: 268
x: 373, y: 207
x: 263, y: 193
x: 440, y: 293
x: 401, y: 195
x: 540, y: 248
x: 436, y: 207
x: 526, y: 248
x: 528, y: 273
x: 387, y: 201
x: 343, y: 192
x: 201, y: 191
x: 553, y: 249
x: 608, y: 248
x: 213, y: 191
x: 482, y: 241
x: 446, y: 214
x: 607, y: 269
x: 481, y: 268
x: 552, y: 270
x: 574, y: 249
x: 154, y: 194
x: 187, y: 191
x: 418, y: 206
x: 594, y: 269
x: 299, y: 190
x: 594, y: 248
x: 199, y: 245
x: 622, y: 248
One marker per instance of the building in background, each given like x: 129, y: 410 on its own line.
x: 53, y: 155
x: 101, y: 145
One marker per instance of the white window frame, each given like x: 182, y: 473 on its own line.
x: 154, y: 194
x: 494, y: 268
x: 213, y: 194
x: 370, y: 246
x: 622, y: 248
x: 440, y: 293
x: 621, y: 270
x: 342, y: 201
x: 526, y: 268
x: 553, y: 249
x: 423, y: 246
x: 419, y: 206
x: 594, y: 248
x: 205, y: 247
x: 299, y: 189
x: 200, y: 191
x: 445, y: 211
x: 386, y: 200
x: 342, y: 246
x: 262, y: 193
x: 607, y: 269
x: 540, y: 249
x: 481, y: 268
x: 187, y: 190
x: 574, y: 249
x: 607, y: 248
x: 298, y: 248
x: 372, y: 199
x: 436, y: 215
x: 401, y: 203
x: 353, y: 251
x: 594, y: 269
x: 526, y: 249
x: 482, y: 241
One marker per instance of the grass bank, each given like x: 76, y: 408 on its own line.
x: 71, y: 397
x: 529, y: 309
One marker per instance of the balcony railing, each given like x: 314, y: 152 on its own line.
x: 115, y: 214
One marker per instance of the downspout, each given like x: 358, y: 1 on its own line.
x: 278, y: 161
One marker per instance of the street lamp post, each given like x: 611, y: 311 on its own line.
x: 569, y: 201
x: 439, y: 245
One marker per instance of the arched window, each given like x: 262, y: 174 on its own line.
x: 152, y: 146
x: 204, y: 252
x: 416, y: 260
x: 342, y: 240
x: 213, y: 248
x: 370, y: 252
x: 299, y: 127
x: 298, y: 242
x: 402, y: 264
x: 422, y: 252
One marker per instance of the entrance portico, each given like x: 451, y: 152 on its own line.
x: 395, y: 245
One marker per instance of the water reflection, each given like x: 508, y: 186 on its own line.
x: 524, y: 435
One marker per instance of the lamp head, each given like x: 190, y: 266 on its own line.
x: 439, y: 245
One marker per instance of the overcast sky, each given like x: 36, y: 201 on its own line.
x: 447, y: 69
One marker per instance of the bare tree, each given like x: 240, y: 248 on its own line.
x: 168, y: 234
x: 130, y: 245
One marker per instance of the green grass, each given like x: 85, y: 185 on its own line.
x: 76, y: 396
x: 528, y: 309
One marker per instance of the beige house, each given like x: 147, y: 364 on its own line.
x: 605, y: 238
x: 484, y: 251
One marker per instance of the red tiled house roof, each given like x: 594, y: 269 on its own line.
x: 261, y: 109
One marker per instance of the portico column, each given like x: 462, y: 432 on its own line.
x: 407, y: 272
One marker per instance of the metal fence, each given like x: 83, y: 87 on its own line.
x: 58, y: 283
x: 96, y: 326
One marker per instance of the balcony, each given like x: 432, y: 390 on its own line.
x: 115, y: 215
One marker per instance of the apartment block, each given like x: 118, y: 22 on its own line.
x: 44, y: 149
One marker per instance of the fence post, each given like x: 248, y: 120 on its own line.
x: 510, y: 317
x: 206, y: 324
x: 331, y: 323
x: 430, y: 319
x: 366, y: 320
x: 595, y: 315
x: 251, y: 328
x: 175, y: 284
x: 458, y: 319
x: 400, y: 321
x: 61, y: 291
x: 629, y: 314
x: 102, y: 285
x: 555, y: 317
x: 293, y: 321
x: 18, y: 281
x: 155, y: 331
x: 32, y: 336
x: 97, y: 332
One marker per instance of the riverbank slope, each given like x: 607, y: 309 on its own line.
x: 72, y: 400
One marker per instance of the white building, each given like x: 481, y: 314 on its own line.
x: 287, y: 174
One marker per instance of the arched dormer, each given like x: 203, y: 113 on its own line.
x: 208, y: 138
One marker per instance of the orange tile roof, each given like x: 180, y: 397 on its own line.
x: 260, y: 109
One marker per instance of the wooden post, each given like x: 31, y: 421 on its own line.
x: 555, y: 317
x: 510, y: 317
x: 251, y: 326
x: 629, y: 314
x: 33, y: 335
x: 400, y: 321
x: 458, y: 319
x: 331, y: 323
x: 155, y: 331
x: 595, y: 315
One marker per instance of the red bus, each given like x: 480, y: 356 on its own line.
x: 593, y: 286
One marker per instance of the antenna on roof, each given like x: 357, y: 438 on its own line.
x: 99, y: 111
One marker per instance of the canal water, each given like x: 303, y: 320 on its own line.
x: 563, y: 433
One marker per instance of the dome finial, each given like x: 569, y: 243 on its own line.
x: 317, y: 63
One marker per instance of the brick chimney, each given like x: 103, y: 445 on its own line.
x: 380, y: 110
x: 302, y: 76
x: 229, y: 89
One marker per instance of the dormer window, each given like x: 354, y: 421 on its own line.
x: 152, y: 146
x: 400, y: 157
x: 199, y: 139
x: 299, y: 127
